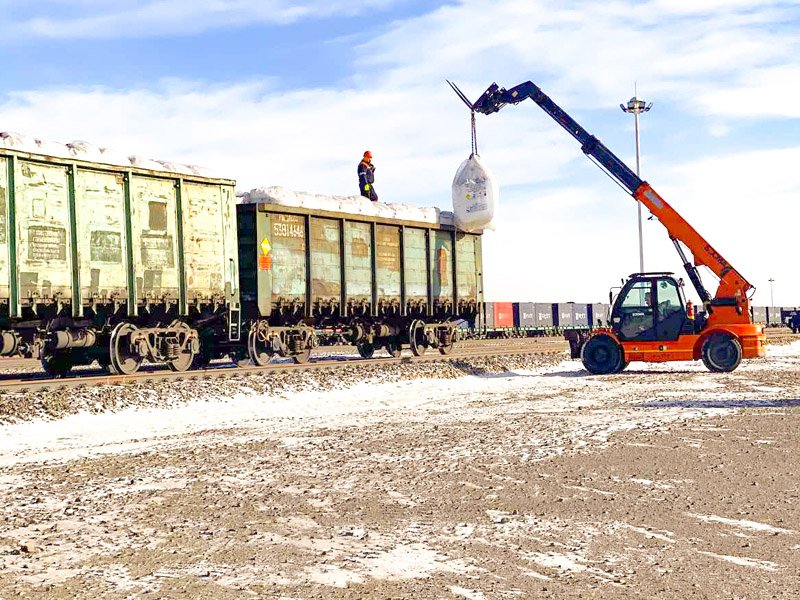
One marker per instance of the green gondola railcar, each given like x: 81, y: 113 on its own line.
x: 377, y: 281
x: 115, y: 263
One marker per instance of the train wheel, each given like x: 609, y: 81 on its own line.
x: 416, y: 337
x: 721, y: 353
x: 258, y: 346
x: 446, y: 349
x: 601, y: 355
x: 303, y: 357
x: 204, y: 357
x: 122, y: 360
x: 447, y: 342
x: 365, y: 349
x: 201, y: 360
x: 394, y: 348
x: 57, y: 363
x: 185, y: 358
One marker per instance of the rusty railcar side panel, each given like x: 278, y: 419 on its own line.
x: 387, y: 263
x: 326, y: 263
x: 358, y: 261
x: 154, y: 233
x: 204, y: 242
x: 442, y: 266
x: 288, y: 257
x: 5, y: 198
x: 416, y: 265
x: 43, y: 240
x: 100, y: 215
x: 466, y: 267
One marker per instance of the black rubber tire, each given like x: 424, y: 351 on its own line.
x: 601, y: 355
x: 721, y: 353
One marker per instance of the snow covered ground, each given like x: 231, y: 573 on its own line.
x: 664, y: 481
x: 563, y: 388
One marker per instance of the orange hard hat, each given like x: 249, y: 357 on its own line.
x: 367, y: 154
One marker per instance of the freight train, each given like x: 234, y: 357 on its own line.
x: 530, y: 319
x: 122, y: 260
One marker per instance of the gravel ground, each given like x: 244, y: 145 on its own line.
x: 16, y: 407
x: 515, y: 477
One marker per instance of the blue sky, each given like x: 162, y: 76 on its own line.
x: 290, y: 93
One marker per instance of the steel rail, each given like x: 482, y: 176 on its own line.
x: 32, y: 382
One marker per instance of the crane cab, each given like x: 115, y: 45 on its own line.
x: 650, y: 307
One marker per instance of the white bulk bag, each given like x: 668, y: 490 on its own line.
x: 475, y: 193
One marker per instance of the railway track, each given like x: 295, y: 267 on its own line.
x: 33, y: 380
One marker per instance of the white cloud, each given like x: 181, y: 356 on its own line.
x: 128, y: 18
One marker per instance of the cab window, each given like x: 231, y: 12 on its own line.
x: 669, y: 301
x: 639, y: 294
x: 635, y: 314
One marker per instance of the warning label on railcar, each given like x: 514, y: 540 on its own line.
x: 265, y: 246
x: 47, y: 243
x: 264, y: 262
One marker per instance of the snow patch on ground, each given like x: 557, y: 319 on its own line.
x: 742, y: 523
x: 765, y: 565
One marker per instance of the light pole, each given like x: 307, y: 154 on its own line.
x: 637, y: 106
x: 771, y: 299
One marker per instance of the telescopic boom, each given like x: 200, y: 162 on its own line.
x: 733, y: 288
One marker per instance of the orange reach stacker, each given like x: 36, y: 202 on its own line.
x: 650, y: 321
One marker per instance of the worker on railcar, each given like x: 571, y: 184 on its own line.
x: 366, y: 177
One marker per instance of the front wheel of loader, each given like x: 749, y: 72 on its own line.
x: 601, y: 355
x: 721, y: 353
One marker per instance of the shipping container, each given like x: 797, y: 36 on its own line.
x: 759, y: 314
x: 562, y: 315
x: 525, y: 315
x: 774, y: 316
x: 598, y: 314
x: 791, y: 317
x: 544, y: 315
x: 488, y: 309
x: 580, y: 315
x: 503, y: 315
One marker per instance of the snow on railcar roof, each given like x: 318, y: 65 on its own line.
x: 345, y: 204
x: 86, y: 151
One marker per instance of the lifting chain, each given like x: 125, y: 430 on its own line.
x: 474, y: 148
